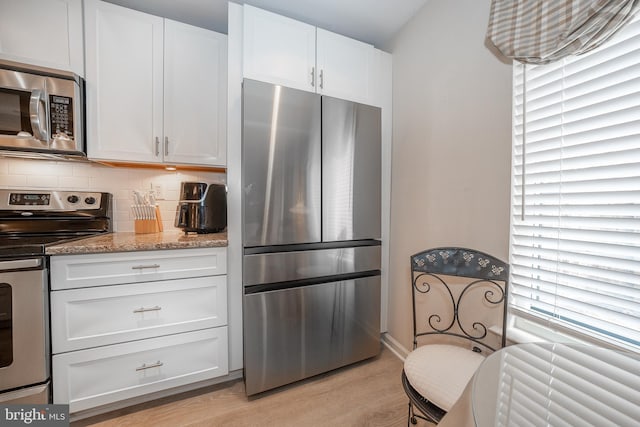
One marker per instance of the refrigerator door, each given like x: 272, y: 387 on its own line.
x: 295, y: 333
x: 351, y: 170
x: 280, y: 165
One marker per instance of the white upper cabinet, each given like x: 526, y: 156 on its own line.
x: 156, y: 89
x: 284, y: 51
x: 279, y: 50
x: 46, y: 33
x: 124, y: 83
x: 195, y: 95
x: 345, y: 67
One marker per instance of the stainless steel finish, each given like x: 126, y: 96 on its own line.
x: 142, y: 267
x: 313, y: 76
x: 300, y: 332
x: 166, y: 145
x: 36, y: 395
x: 321, y: 79
x: 144, y: 310
x: 20, y: 263
x: 281, y: 165
x: 153, y: 365
x: 351, y: 170
x: 38, y: 125
x: 59, y: 200
x: 29, y: 328
x: 157, y: 146
x: 286, y: 266
x: 39, y: 84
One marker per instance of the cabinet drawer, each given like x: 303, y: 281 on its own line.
x: 90, y: 317
x: 88, y: 378
x: 79, y: 271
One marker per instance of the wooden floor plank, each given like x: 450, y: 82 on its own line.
x: 368, y: 393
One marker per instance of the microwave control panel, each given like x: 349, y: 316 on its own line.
x: 61, y: 115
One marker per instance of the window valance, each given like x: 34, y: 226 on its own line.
x: 542, y: 31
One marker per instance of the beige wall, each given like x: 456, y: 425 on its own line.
x: 451, y: 144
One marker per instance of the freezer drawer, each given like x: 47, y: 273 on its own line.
x: 299, y: 265
x: 300, y: 332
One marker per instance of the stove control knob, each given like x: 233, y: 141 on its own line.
x: 72, y: 199
x: 90, y: 200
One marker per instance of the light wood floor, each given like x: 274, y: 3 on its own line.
x: 366, y: 394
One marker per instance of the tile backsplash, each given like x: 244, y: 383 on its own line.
x: 120, y: 181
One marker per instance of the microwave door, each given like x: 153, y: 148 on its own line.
x: 23, y: 110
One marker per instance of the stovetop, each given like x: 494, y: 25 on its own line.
x: 30, y: 220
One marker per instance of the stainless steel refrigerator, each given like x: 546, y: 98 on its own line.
x: 311, y: 234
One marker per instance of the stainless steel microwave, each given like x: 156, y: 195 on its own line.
x: 41, y: 111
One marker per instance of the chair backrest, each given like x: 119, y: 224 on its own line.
x: 460, y: 293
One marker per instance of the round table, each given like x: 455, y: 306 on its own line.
x: 551, y: 384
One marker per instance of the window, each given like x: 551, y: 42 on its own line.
x: 575, y: 212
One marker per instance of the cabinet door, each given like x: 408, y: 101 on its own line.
x: 97, y: 376
x: 46, y: 33
x: 124, y: 83
x: 279, y: 50
x: 195, y: 95
x: 89, y: 270
x: 103, y: 315
x: 345, y: 67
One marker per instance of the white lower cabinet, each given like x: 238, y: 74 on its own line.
x: 127, y: 324
x: 88, y: 378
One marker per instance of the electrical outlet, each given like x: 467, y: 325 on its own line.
x: 158, y: 191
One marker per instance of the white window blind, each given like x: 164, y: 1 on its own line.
x: 575, y: 216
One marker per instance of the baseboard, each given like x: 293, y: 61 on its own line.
x: 232, y: 376
x: 395, y: 347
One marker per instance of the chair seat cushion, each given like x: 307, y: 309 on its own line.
x: 440, y: 372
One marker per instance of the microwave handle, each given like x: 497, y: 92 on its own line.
x: 39, y: 128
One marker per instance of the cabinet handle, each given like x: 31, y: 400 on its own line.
x: 313, y: 76
x: 166, y: 145
x: 141, y: 267
x: 321, y: 79
x: 157, y: 146
x: 153, y: 365
x: 143, y: 310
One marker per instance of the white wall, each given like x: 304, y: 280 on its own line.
x: 451, y: 144
x: 58, y: 175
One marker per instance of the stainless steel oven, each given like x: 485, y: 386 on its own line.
x: 29, y: 221
x: 41, y: 110
x: 24, y: 331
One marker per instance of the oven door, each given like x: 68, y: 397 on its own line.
x: 24, y: 343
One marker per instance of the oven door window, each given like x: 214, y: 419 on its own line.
x: 6, y: 326
x: 14, y: 111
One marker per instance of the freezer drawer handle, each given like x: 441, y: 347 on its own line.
x: 142, y: 267
x: 143, y: 310
x: 153, y: 365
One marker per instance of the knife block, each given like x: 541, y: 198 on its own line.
x: 146, y: 226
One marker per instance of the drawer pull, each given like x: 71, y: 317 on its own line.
x: 142, y: 267
x: 142, y: 309
x: 153, y: 365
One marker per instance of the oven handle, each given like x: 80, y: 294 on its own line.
x: 20, y: 264
x: 39, y: 128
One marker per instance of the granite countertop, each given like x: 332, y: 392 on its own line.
x: 126, y: 242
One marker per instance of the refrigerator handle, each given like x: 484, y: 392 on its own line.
x: 313, y: 76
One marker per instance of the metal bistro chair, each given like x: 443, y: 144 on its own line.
x: 458, y: 295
